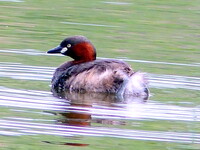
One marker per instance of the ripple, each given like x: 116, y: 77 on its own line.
x: 118, y: 3
x: 26, y: 72
x: 11, y: 1
x: 98, y: 106
x: 39, y: 128
x: 37, y: 52
x: 86, y: 109
x: 89, y: 24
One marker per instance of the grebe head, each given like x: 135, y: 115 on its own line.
x: 77, y: 47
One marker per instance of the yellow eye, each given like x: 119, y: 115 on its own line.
x: 69, y: 45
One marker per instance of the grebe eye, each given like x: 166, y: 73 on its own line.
x: 69, y: 45
x: 64, y: 50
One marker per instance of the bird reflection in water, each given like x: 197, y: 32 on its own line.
x: 82, y: 107
x: 80, y: 111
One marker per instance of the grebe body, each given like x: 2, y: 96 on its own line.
x: 86, y: 74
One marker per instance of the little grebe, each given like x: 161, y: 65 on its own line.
x: 86, y: 74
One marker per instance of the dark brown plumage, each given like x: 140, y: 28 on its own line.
x: 86, y: 74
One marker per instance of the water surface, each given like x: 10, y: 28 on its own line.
x: 32, y: 113
x: 157, y: 37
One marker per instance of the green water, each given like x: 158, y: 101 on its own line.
x: 151, y: 30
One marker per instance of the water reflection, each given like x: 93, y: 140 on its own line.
x: 90, y: 115
x: 71, y: 115
x: 81, y: 103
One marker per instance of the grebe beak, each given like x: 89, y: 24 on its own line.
x: 55, y: 50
